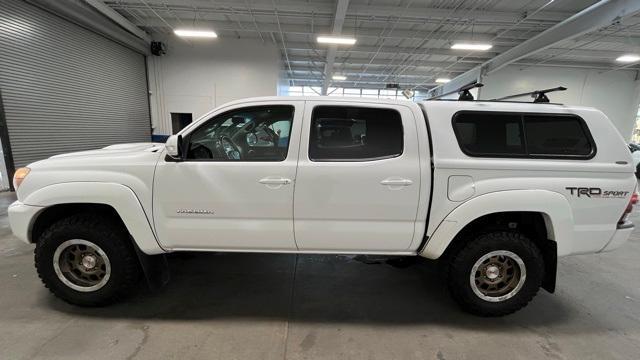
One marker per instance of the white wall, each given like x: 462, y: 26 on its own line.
x: 196, y: 76
x: 616, y: 93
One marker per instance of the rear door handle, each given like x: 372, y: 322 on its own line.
x: 275, y: 181
x: 396, y: 182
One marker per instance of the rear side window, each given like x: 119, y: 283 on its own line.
x: 549, y: 135
x: 347, y: 133
x: 499, y: 134
x: 490, y: 134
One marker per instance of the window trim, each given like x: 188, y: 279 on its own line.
x: 377, y: 158
x: 526, y: 155
x: 186, y: 141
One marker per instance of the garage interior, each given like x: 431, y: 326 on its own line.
x: 84, y: 74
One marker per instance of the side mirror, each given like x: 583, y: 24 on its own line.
x: 174, y: 147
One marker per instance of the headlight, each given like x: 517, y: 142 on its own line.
x: 19, y: 175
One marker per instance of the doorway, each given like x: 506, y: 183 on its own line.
x: 179, y: 121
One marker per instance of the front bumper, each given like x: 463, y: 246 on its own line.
x: 21, y: 217
x: 621, y: 236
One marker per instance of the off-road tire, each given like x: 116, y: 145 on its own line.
x: 106, y: 233
x: 461, y: 263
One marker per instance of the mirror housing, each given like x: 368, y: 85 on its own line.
x: 174, y: 147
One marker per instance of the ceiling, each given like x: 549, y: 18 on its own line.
x: 398, y: 41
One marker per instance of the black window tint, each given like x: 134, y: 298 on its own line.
x: 345, y: 133
x: 556, y: 135
x: 523, y: 135
x: 489, y: 133
x: 259, y: 133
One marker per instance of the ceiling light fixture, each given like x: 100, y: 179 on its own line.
x: 474, y: 47
x: 442, y: 80
x: 336, y: 40
x: 339, y: 77
x: 196, y: 33
x: 629, y: 58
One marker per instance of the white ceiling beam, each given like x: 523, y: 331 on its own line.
x: 418, y: 12
x: 390, y: 49
x: 571, y: 64
x: 594, y: 17
x: 302, y: 80
x: 85, y: 15
x: 599, y: 15
x: 119, y: 19
x: 338, y: 21
x: 373, y: 73
x: 426, y: 68
x: 362, y: 51
x: 361, y: 62
x: 364, y: 32
x: 510, y: 38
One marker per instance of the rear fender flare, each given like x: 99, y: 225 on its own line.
x: 554, y: 207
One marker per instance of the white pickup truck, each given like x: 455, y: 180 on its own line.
x: 495, y: 190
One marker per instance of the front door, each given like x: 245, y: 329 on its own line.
x: 358, y: 179
x: 234, y: 189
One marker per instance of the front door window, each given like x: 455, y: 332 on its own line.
x: 258, y: 133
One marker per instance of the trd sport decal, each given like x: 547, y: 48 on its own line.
x: 596, y: 192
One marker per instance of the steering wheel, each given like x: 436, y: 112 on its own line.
x: 230, y: 149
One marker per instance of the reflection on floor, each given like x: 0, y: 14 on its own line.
x: 253, y: 306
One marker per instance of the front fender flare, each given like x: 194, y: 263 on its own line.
x: 554, y: 207
x: 118, y: 196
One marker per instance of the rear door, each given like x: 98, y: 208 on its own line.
x: 358, y: 178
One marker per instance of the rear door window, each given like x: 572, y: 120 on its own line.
x: 349, y: 133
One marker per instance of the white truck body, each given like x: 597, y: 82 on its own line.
x: 412, y: 204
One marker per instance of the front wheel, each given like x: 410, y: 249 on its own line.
x: 495, y: 274
x: 87, y: 260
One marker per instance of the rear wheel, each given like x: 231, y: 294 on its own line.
x: 495, y: 274
x: 87, y: 260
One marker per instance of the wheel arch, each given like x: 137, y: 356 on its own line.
x: 545, y: 216
x: 552, y: 207
x: 115, y: 200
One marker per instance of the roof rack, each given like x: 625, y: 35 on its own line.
x: 538, y: 95
x: 464, y: 93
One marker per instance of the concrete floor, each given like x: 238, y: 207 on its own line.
x: 252, y: 306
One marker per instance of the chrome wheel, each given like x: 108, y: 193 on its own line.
x: 81, y: 265
x: 498, y: 276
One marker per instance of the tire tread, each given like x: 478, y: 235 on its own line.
x: 122, y: 252
x: 459, y: 262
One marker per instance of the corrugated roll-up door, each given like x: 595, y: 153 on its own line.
x: 66, y: 88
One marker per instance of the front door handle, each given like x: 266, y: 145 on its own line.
x: 275, y: 181
x: 396, y: 182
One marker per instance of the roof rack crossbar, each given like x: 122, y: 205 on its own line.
x: 538, y: 95
x: 464, y: 93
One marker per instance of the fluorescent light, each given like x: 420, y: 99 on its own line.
x: 336, y: 40
x: 629, y: 58
x: 442, y: 80
x: 468, y: 46
x: 339, y: 77
x: 196, y: 33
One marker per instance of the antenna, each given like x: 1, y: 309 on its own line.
x: 538, y: 95
x: 464, y: 93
